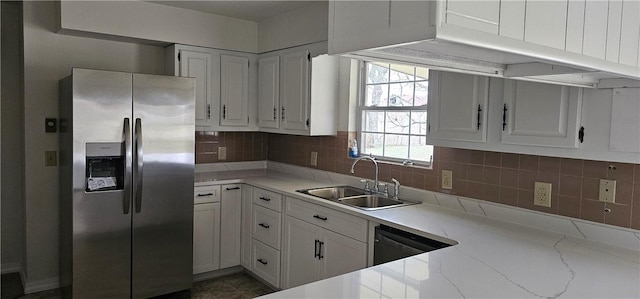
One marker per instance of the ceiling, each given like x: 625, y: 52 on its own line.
x: 253, y: 10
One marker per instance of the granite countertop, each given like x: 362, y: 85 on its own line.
x: 494, y: 258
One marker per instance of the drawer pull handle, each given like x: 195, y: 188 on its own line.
x: 262, y: 262
x: 320, y: 217
x: 265, y: 198
x: 207, y: 194
x: 264, y: 225
x: 233, y: 188
x: 316, y: 252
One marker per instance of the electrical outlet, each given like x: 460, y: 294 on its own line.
x: 447, y: 179
x: 608, y: 191
x: 314, y: 158
x: 222, y: 153
x: 50, y: 158
x: 542, y: 194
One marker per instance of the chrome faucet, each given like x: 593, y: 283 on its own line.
x: 375, y: 186
x: 396, y: 188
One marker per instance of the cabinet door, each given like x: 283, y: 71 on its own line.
x: 541, y: 114
x: 340, y: 255
x: 457, y: 107
x: 247, y: 204
x: 595, y: 28
x: 269, y: 92
x: 206, y: 237
x: 230, y: 224
x: 478, y: 15
x: 198, y: 65
x: 295, y: 91
x: 300, y: 251
x: 625, y: 123
x: 234, y: 90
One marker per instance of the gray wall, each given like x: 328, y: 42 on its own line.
x: 12, y: 143
x: 49, y: 57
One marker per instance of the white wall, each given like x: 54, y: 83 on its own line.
x: 159, y: 23
x: 308, y: 24
x: 12, y: 144
x: 49, y: 57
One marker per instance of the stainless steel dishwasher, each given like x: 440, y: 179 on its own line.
x: 392, y: 244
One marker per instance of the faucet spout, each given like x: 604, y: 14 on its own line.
x: 375, y: 163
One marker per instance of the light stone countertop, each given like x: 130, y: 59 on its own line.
x: 494, y: 258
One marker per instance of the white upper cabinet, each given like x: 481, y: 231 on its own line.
x: 541, y: 114
x: 234, y: 90
x: 545, y: 23
x: 581, y: 42
x: 625, y: 121
x: 298, y: 91
x: 226, y: 86
x: 295, y: 91
x: 457, y: 107
x: 198, y: 65
x: 268, y: 92
x: 478, y: 15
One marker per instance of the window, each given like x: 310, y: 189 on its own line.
x: 393, y: 112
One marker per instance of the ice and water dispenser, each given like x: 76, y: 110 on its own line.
x: 105, y: 166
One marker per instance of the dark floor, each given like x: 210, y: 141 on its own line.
x: 240, y: 286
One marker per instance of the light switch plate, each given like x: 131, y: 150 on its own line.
x: 542, y: 194
x: 222, y: 153
x: 314, y: 158
x: 607, y: 191
x: 447, y: 179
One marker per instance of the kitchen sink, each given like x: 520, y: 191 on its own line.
x: 355, y: 197
x: 334, y: 193
x: 373, y: 202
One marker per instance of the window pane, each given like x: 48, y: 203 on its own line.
x: 397, y: 122
x: 377, y: 95
x: 401, y: 94
x: 396, y: 146
x: 401, y: 73
x: 373, y: 121
x: 422, y: 73
x: 372, y: 143
x: 420, y: 151
x: 421, y: 93
x: 418, y: 123
x: 377, y: 73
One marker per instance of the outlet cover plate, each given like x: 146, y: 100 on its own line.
x: 542, y: 194
x: 314, y: 158
x: 447, y: 179
x: 222, y: 153
x: 607, y: 191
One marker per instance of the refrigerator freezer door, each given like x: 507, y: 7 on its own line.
x: 163, y: 109
x: 101, y: 227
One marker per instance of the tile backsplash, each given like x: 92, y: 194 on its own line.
x: 492, y: 176
x: 241, y: 146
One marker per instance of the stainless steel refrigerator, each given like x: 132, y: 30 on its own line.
x: 126, y: 184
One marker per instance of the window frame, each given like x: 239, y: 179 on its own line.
x: 362, y: 85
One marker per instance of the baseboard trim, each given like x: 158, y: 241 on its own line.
x: 41, y: 285
x: 217, y: 273
x: 11, y: 268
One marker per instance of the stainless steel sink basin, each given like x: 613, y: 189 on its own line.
x: 373, y: 202
x: 355, y: 197
x: 334, y: 193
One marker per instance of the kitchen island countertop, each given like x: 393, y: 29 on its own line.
x: 494, y: 258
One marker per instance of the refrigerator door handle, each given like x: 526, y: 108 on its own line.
x: 138, y: 162
x: 126, y: 135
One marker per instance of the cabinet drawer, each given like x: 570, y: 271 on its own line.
x: 267, y: 226
x: 267, y: 199
x: 266, y: 262
x: 204, y: 194
x: 339, y: 222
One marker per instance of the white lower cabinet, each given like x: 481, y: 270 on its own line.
x: 266, y: 262
x: 230, y: 225
x: 247, y: 208
x: 206, y: 237
x: 311, y: 252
